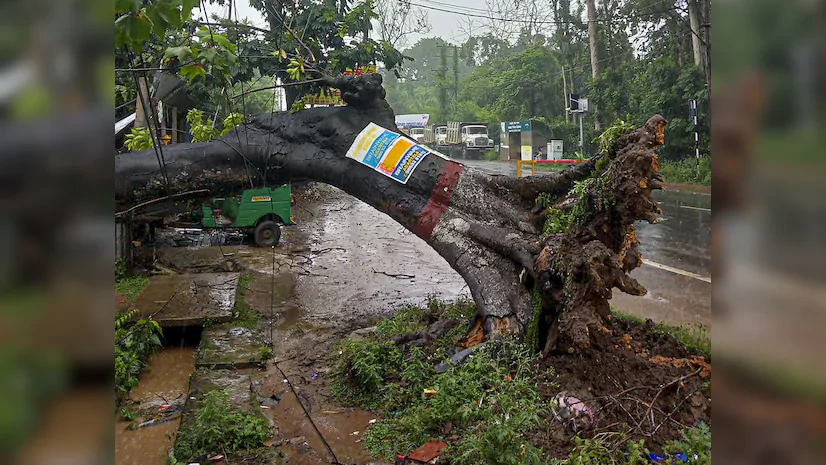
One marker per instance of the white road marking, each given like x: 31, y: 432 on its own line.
x: 696, y: 208
x: 677, y: 270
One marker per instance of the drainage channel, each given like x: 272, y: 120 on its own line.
x: 157, y: 401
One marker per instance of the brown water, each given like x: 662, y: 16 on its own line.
x: 166, y: 381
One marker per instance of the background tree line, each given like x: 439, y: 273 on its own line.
x: 518, y: 61
x: 649, y: 56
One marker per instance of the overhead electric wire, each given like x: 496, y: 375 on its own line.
x: 525, y: 21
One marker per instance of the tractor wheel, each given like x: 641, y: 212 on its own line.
x: 267, y: 234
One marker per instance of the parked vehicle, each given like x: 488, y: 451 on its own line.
x: 260, y: 212
x: 463, y: 139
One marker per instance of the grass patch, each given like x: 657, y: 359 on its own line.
x: 687, y: 171
x: 695, y: 338
x: 409, y: 320
x: 217, y: 429
x: 549, y: 168
x: 245, y: 316
x: 490, y: 401
x: 131, y: 287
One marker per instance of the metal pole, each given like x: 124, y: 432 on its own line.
x: 695, y: 111
x: 581, y: 146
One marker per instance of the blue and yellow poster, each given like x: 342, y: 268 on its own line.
x: 387, y: 152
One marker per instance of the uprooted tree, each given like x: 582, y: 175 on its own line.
x: 489, y: 228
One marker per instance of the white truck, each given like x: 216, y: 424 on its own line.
x: 463, y: 139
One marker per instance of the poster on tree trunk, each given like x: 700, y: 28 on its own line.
x: 387, y: 152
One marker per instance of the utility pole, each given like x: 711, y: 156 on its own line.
x: 694, y: 22
x: 707, y: 27
x: 592, y: 39
x: 142, y: 102
x: 455, y: 73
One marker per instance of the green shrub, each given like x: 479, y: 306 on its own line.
x: 139, y: 139
x: 491, y: 155
x: 133, y: 345
x: 218, y: 429
x: 688, y: 170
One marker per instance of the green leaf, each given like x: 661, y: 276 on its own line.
x: 192, y: 71
x: 127, y: 6
x: 188, y: 5
x: 132, y: 30
x: 159, y: 24
x: 182, y: 53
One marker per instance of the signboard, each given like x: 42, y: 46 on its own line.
x: 412, y: 121
x: 333, y: 96
x: 262, y: 198
x: 527, y: 152
x: 388, y: 152
x: 515, y: 126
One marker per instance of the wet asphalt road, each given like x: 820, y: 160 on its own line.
x: 676, y: 254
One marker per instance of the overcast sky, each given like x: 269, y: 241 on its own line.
x: 451, y: 26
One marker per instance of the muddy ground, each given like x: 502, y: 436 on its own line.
x: 345, y: 266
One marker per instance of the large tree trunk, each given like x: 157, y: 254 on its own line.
x: 487, y: 227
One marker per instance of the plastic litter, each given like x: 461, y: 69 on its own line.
x: 573, y: 412
x: 314, y: 375
x: 679, y: 457
x: 217, y: 458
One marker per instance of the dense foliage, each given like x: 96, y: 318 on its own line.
x: 646, y: 68
x: 133, y: 345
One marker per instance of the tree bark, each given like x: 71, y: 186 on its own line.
x: 486, y: 226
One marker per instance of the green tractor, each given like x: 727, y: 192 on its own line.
x: 260, y: 212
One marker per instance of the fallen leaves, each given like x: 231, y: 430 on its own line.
x: 694, y: 362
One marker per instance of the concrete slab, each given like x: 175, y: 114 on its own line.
x: 228, y: 346
x: 188, y: 299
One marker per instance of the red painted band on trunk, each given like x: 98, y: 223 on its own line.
x: 439, y: 200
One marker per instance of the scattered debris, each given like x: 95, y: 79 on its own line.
x: 271, y: 443
x: 397, y: 276
x: 427, y: 452
x: 372, y: 422
x: 572, y: 412
x: 297, y: 440
x: 457, y: 358
x: 695, y: 361
x: 430, y: 392
x: 217, y: 458
x: 362, y: 333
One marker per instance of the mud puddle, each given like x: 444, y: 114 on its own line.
x: 166, y: 383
